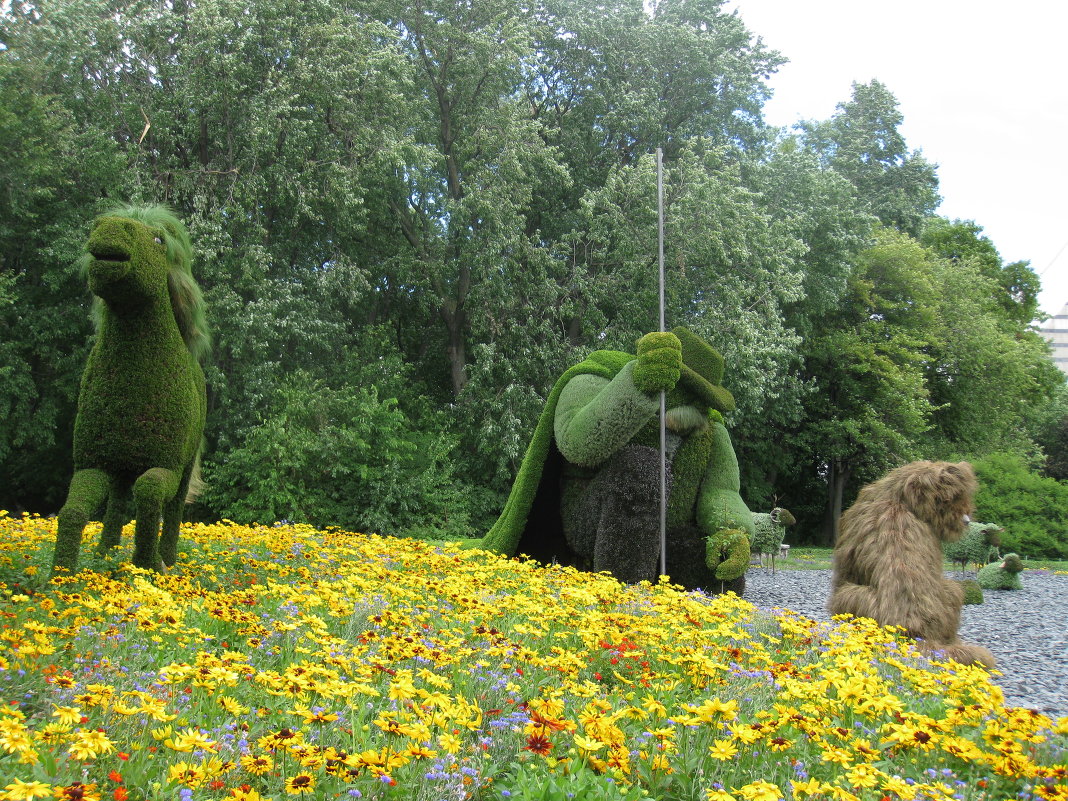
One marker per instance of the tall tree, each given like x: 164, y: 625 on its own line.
x: 989, y: 372
x: 868, y: 362
x: 1016, y: 286
x: 863, y: 142
x: 54, y: 167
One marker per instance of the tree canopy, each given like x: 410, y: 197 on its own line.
x: 409, y: 219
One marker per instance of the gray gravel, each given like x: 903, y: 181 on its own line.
x: 1027, y: 629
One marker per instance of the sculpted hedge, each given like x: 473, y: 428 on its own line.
x: 588, y: 490
x: 142, y: 402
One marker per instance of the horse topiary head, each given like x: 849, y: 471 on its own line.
x: 132, y: 252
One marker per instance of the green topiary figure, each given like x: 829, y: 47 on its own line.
x: 588, y: 491
x: 978, y: 546
x: 973, y: 593
x: 770, y: 530
x: 1003, y: 575
x: 142, y: 401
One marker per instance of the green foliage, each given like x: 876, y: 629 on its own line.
x: 343, y: 457
x: 528, y: 782
x: 473, y: 185
x: 962, y: 241
x: 863, y: 143
x: 1033, y: 509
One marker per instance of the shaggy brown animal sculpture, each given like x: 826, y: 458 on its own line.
x: 888, y: 558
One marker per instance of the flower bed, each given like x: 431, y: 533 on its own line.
x: 285, y: 662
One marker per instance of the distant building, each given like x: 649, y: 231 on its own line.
x: 1055, y: 330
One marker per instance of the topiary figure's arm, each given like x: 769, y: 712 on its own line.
x: 719, y: 505
x: 596, y: 416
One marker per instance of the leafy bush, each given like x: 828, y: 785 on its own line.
x: 1033, y: 509
x: 340, y: 457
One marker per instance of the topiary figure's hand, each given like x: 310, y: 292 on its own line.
x: 659, y: 363
x: 727, y: 553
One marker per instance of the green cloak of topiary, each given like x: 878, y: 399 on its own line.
x: 142, y: 402
x: 611, y: 401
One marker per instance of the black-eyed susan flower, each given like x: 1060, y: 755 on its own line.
x: 257, y: 765
x: 19, y: 790
x: 300, y: 783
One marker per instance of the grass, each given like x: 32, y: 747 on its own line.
x: 278, y: 662
x: 812, y: 558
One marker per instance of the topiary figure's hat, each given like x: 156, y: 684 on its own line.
x: 702, y: 370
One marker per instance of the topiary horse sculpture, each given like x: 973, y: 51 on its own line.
x: 142, y: 401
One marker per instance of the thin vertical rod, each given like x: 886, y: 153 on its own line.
x: 663, y: 395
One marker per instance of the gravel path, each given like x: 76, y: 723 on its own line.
x: 1026, y: 629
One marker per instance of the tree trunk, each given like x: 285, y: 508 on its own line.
x: 837, y: 478
x: 456, y: 349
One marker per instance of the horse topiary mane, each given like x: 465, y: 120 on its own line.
x: 187, y: 301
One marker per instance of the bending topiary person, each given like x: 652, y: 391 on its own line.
x: 588, y: 491
x: 1003, y: 575
x: 142, y: 401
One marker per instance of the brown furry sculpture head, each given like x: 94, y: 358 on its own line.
x: 941, y: 494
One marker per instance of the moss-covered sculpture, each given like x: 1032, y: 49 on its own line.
x: 770, y: 528
x: 588, y: 491
x: 973, y: 593
x: 977, y: 547
x: 1003, y: 575
x: 142, y: 401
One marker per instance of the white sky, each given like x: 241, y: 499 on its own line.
x: 982, y: 85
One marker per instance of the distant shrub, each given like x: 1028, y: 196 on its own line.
x: 340, y: 457
x: 1032, y: 509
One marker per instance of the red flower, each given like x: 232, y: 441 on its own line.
x: 120, y: 794
x: 115, y: 776
x: 539, y: 744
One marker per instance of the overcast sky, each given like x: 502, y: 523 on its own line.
x: 982, y: 85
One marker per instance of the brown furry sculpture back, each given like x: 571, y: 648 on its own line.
x: 888, y: 558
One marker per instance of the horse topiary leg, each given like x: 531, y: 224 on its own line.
x: 88, y: 488
x: 114, y: 517
x: 172, y: 521
x: 152, y: 489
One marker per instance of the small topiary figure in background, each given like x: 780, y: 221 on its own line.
x: 770, y: 530
x: 973, y: 593
x: 1003, y: 575
x: 978, y: 546
x: 142, y: 402
x: 588, y: 491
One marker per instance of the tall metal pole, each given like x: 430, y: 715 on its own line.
x: 663, y: 395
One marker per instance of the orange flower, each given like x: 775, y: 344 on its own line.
x: 120, y: 794
x: 539, y: 744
